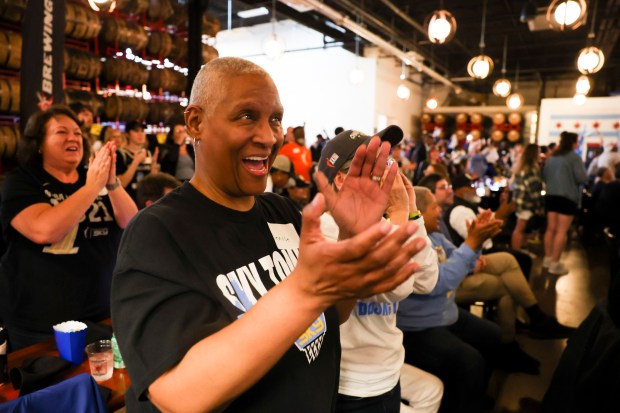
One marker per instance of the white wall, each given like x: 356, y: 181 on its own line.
x: 598, y: 120
x: 314, y: 85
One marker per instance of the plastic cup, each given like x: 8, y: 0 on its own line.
x: 100, y: 359
x: 71, y: 345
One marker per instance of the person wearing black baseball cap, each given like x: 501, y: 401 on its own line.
x: 342, y: 147
x: 134, y: 161
x: 372, y: 345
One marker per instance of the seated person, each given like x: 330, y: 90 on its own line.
x: 153, y: 187
x: 438, y: 336
x: 372, y: 345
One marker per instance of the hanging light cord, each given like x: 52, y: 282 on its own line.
x: 591, y: 34
x: 505, y: 54
x: 273, y: 17
x: 484, y: 23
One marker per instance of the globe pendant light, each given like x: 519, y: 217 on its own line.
x: 566, y: 15
x: 102, y: 5
x: 582, y: 86
x: 481, y: 66
x: 432, y: 103
x: 502, y: 86
x: 590, y: 59
x: 579, y: 99
x: 515, y: 100
x: 273, y: 46
x: 440, y: 25
x: 403, y: 92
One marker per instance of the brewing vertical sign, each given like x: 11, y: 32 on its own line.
x: 43, y: 31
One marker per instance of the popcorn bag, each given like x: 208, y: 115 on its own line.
x: 70, y: 340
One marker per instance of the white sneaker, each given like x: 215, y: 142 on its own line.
x: 557, y: 268
x: 546, y: 262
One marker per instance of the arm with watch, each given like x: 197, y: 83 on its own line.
x: 401, y: 208
x: 124, y: 207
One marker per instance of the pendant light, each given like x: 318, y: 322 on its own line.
x: 515, y: 100
x: 440, y: 25
x: 579, y: 99
x: 502, y: 86
x: 102, y: 5
x: 583, y: 85
x: 403, y: 92
x: 356, y: 76
x: 273, y: 45
x: 481, y: 66
x: 566, y: 15
x: 590, y: 59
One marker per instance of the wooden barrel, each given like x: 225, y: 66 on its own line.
x: 498, y: 119
x: 9, y: 138
x: 9, y: 95
x: 82, y: 23
x: 210, y: 25
x: 209, y: 53
x: 12, y: 10
x: 514, y: 118
x: 461, y: 118
x: 165, y: 112
x: 125, y: 72
x: 440, y: 119
x: 178, y: 18
x: 81, y: 65
x: 10, y: 49
x: 476, y: 118
x: 514, y: 136
x: 160, y: 9
x: 84, y: 96
x: 179, y: 48
x: 475, y: 134
x: 167, y: 80
x: 497, y: 135
x: 125, y: 108
x: 123, y: 34
x: 160, y: 44
x: 425, y: 118
x: 132, y: 6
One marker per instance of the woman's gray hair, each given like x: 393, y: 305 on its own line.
x: 422, y: 197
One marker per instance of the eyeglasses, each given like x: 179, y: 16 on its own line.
x: 443, y: 187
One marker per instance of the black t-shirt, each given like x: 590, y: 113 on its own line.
x: 124, y: 157
x: 188, y: 267
x: 41, y: 285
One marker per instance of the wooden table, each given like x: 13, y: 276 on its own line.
x: 119, y: 383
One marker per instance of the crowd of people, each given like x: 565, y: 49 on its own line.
x: 225, y: 297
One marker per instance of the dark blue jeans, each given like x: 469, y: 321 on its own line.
x: 385, y: 403
x: 460, y: 355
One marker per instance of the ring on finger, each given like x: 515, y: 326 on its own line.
x: 376, y: 178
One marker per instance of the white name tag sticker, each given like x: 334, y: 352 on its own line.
x: 285, y: 236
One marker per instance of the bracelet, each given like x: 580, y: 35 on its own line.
x: 415, y: 215
x: 115, y: 185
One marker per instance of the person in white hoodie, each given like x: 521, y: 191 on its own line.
x: 372, y: 367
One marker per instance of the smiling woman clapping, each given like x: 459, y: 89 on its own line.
x: 62, y: 224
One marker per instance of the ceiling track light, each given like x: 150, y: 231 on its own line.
x: 502, y: 86
x: 481, y: 66
x: 590, y: 59
x: 440, y: 25
x: 273, y: 46
x: 566, y: 14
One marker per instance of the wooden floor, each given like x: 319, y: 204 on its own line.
x: 570, y: 297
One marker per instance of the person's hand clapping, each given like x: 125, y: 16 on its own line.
x: 372, y: 262
x: 479, y: 230
x: 362, y: 200
x: 398, y: 201
x: 98, y: 169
